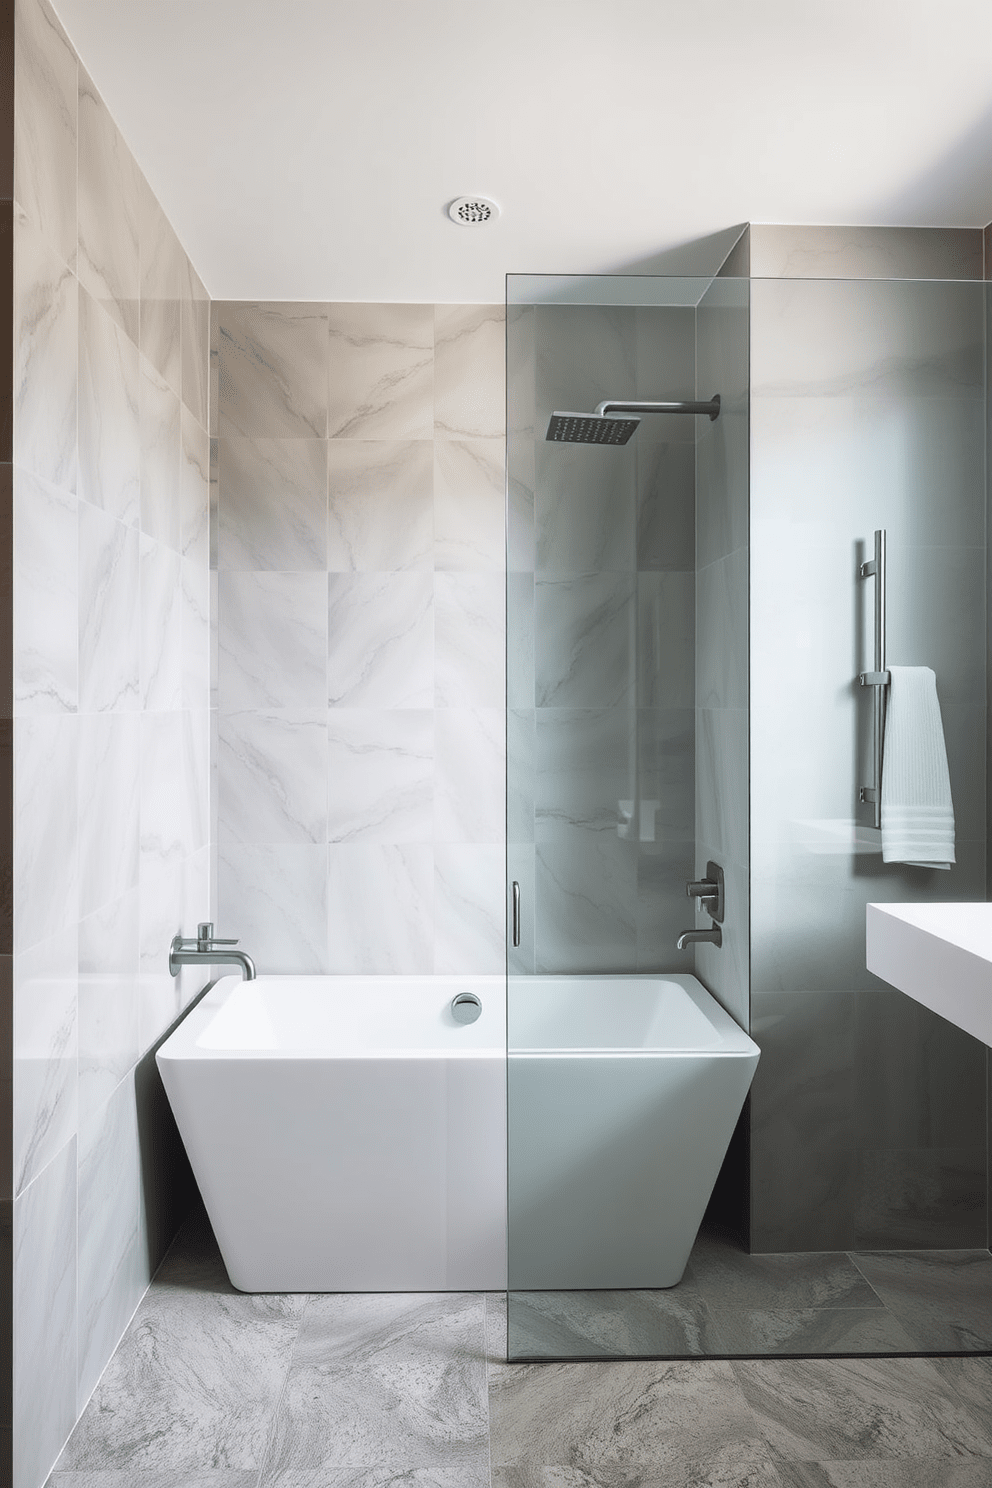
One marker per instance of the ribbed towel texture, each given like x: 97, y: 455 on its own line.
x: 917, y: 811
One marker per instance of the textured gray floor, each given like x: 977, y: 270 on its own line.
x: 883, y: 1302
x: 211, y: 1388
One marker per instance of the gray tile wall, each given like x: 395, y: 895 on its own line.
x: 359, y: 619
x: 721, y: 694
x: 111, y: 723
x: 867, y: 410
x: 600, y: 644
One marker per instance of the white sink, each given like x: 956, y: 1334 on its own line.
x: 938, y: 954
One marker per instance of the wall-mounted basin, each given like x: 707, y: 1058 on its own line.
x: 938, y: 954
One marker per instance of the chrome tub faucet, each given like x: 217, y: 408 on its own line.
x: 204, y: 951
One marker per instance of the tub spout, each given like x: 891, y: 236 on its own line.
x: 712, y: 936
x: 206, y: 951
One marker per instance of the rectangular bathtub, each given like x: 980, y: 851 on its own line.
x: 345, y: 1132
x: 623, y: 1095
x: 348, y: 1134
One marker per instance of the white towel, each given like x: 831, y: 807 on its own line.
x: 917, y: 811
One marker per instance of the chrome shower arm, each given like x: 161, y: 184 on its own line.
x: 611, y: 406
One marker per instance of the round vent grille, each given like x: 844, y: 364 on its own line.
x: 473, y: 211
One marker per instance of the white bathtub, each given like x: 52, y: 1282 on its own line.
x: 348, y: 1135
x: 623, y: 1096
x: 345, y: 1132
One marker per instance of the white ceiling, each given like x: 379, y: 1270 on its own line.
x: 307, y: 149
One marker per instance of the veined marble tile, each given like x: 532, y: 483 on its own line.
x: 380, y: 774
x: 680, y: 1421
x: 586, y: 905
x: 818, y: 1410
x: 585, y: 503
x: 196, y: 725
x: 392, y: 1381
x: 380, y: 640
x: 663, y: 870
x: 198, y: 637
x: 191, y: 1477
x: 380, y: 371
x: 666, y: 628
x: 161, y: 916
x: 273, y: 370
x: 194, y: 491
x: 272, y: 770
x: 469, y: 640
x: 44, y: 1363
x: 274, y: 899
x: 109, y: 639
x: 520, y: 354
x: 469, y: 775
x: 213, y: 421
x: 273, y: 640
x: 721, y: 633
x: 520, y: 761
x: 666, y: 506
x: 942, y: 1298
x: 165, y: 831
x: 45, y: 104
x: 161, y: 617
x: 521, y: 481
x: 584, y: 353
x: 469, y: 375
x: 160, y: 458
x: 162, y: 265
x: 583, y: 630
x: 44, y: 1109
x: 911, y: 1472
x: 520, y: 684
x: 584, y: 768
x: 380, y: 907
x: 109, y: 1278
x: 109, y: 183
x: 195, y: 329
x: 469, y: 908
x: 562, y: 1325
x: 272, y: 504
x: 379, y: 505
x: 437, y: 1475
x: 45, y: 794
x: 110, y: 453
x: 46, y: 319
x: 109, y: 773
x: 666, y: 765
x: 195, y: 1381
x: 469, y: 504
x: 811, y: 1332
x: 45, y: 602
x: 108, y: 1000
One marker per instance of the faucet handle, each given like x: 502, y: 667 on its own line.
x: 205, y: 935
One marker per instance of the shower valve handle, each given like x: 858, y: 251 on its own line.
x: 710, y: 892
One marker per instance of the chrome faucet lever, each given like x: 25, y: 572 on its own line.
x: 204, y: 951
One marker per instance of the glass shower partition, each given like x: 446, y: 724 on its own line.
x: 686, y: 628
x: 607, y: 727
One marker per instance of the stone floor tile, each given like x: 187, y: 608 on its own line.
x: 628, y: 1324
x: 812, y: 1331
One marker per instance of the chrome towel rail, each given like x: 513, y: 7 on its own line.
x: 879, y: 678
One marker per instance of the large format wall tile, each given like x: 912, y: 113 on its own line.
x: 273, y: 512
x: 274, y: 899
x: 109, y: 188
x: 45, y: 600
x: 469, y: 908
x: 583, y: 627
x: 381, y: 372
x: 469, y: 640
x: 273, y: 369
x: 109, y: 776
x: 379, y: 505
x: 380, y: 773
x: 380, y: 638
x: 45, y: 101
x: 45, y: 873
x: 162, y: 268
x: 469, y: 505
x: 469, y: 771
x: 108, y: 1000
x: 110, y: 464
x: 195, y: 331
x: 380, y: 908
x: 161, y: 433
x: 273, y: 647
x: 44, y: 1318
x: 44, y: 1054
x: 469, y: 378
x: 109, y: 637
x: 272, y: 769
x: 45, y: 358
x: 584, y: 508
x: 161, y: 662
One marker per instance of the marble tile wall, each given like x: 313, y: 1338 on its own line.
x: 867, y: 410
x: 111, y: 723
x: 359, y: 622
x: 601, y: 597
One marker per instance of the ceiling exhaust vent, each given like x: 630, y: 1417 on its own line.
x: 473, y: 211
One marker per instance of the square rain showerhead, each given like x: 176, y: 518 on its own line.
x: 589, y: 428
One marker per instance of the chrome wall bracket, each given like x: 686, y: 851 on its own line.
x: 878, y: 678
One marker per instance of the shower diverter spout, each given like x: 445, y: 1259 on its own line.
x: 614, y: 421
